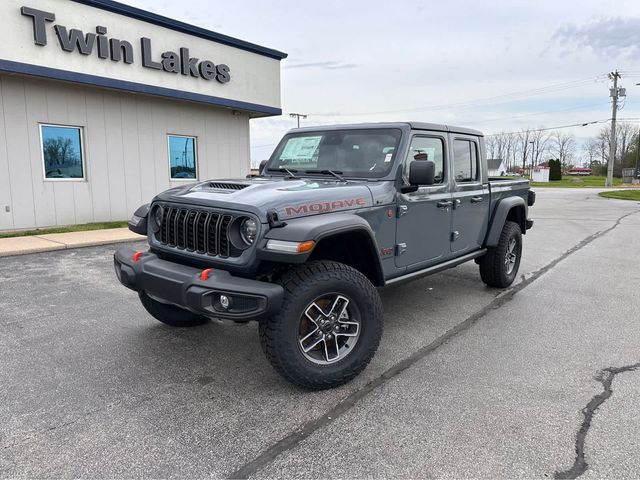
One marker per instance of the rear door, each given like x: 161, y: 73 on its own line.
x: 424, y: 216
x: 470, y: 195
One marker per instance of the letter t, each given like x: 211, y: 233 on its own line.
x: 39, y: 17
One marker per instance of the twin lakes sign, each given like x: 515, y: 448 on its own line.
x: 117, y: 50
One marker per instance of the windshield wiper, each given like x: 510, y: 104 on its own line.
x: 284, y: 170
x: 335, y: 173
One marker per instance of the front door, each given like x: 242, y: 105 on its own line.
x: 470, y: 196
x: 424, y: 216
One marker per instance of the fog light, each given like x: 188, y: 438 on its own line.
x: 225, y: 301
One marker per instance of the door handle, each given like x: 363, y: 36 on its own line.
x: 477, y: 199
x: 444, y: 204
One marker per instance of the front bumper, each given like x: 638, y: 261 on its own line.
x: 186, y: 287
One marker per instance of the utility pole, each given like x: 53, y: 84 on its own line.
x: 614, y: 93
x: 298, y: 116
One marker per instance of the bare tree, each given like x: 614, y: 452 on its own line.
x: 591, y: 148
x: 563, y: 146
x: 490, y: 144
x: 524, y: 146
x: 502, y: 147
x: 625, y: 132
x: 540, y: 141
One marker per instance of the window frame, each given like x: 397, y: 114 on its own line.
x: 83, y: 162
x: 473, y: 142
x: 445, y: 163
x: 195, y: 157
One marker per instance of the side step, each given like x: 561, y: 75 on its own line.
x: 454, y: 262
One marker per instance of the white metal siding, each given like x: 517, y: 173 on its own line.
x: 125, y: 148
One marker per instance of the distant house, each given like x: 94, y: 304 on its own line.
x: 496, y: 167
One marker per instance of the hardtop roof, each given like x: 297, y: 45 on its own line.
x: 438, y: 127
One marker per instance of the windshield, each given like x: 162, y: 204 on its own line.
x: 352, y: 153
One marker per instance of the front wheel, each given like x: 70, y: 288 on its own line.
x: 328, y: 328
x: 499, y: 267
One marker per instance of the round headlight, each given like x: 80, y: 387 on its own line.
x: 156, y: 218
x: 249, y: 230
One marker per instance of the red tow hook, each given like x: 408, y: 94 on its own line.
x: 136, y: 256
x: 205, y: 273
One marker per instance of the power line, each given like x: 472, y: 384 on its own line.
x: 540, y: 113
x: 510, y: 96
x: 582, y: 124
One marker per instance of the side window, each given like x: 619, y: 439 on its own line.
x: 427, y: 148
x: 465, y: 161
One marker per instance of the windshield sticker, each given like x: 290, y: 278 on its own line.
x: 300, y: 149
x: 324, y: 207
x: 388, y: 157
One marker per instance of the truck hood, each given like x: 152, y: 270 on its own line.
x: 288, y: 198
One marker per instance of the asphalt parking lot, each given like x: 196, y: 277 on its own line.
x: 468, y: 381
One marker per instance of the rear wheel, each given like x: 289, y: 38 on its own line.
x: 170, y: 314
x: 499, y: 267
x: 328, y: 328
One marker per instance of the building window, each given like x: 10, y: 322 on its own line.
x: 62, y: 154
x: 182, y: 157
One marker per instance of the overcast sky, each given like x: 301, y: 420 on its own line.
x: 492, y: 65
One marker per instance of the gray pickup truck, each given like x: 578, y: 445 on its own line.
x: 337, y: 213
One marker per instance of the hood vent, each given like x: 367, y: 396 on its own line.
x: 224, y: 185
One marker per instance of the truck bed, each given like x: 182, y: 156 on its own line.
x: 506, y: 187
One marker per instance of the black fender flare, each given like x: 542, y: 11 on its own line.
x: 500, y: 215
x: 318, y: 228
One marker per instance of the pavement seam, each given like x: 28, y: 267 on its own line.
x: 292, y: 440
x: 49, y: 240
x: 605, y: 377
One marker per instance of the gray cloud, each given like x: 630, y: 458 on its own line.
x: 328, y: 65
x: 608, y: 37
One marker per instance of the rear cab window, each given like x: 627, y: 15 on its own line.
x: 466, y: 168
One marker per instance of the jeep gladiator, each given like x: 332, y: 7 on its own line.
x: 336, y: 213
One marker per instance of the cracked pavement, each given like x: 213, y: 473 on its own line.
x: 468, y: 382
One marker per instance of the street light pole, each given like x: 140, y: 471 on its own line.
x: 532, y: 143
x: 298, y: 116
x: 637, y: 172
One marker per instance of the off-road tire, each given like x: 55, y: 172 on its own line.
x: 493, y: 269
x: 170, y: 314
x: 279, y: 333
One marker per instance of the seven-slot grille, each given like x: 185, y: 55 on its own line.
x: 197, y: 231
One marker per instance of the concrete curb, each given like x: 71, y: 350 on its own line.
x: 62, y: 241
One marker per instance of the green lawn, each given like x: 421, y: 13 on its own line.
x: 622, y: 194
x: 578, y: 182
x: 70, y: 228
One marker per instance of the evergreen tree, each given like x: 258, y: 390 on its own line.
x: 555, y: 170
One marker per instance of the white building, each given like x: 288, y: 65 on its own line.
x: 540, y: 174
x: 103, y: 105
x: 496, y: 167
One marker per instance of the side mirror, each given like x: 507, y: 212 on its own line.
x: 138, y: 222
x: 422, y: 172
x: 263, y: 164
